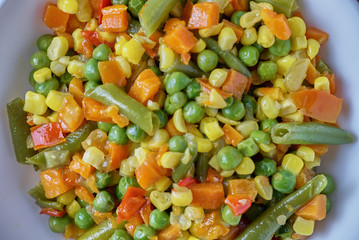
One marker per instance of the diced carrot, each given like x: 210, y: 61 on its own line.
x: 207, y: 88
x: 277, y: 23
x: 172, y: 232
x: 95, y: 111
x: 187, y: 11
x: 204, y: 15
x: 315, y: 209
x: 80, y: 167
x: 237, y: 29
x: 240, y: 5
x: 172, y: 23
x: 213, y: 176
x: 332, y: 83
x: 180, y: 39
x: 236, y: 83
x: 312, y: 74
x: 84, y: 194
x: 145, y: 87
x: 145, y: 211
x: 171, y: 129
x: 73, y: 23
x: 130, y: 228
x: 303, y: 177
x: 185, y: 58
x: 238, y: 204
x: 317, y: 34
x: 111, y: 72
x: 68, y: 37
x: 54, y: 18
x: 131, y: 203
x: 297, y: 14
x: 207, y: 195
x: 47, y: 135
x: 118, y: 153
x: 113, y: 112
x: 70, y: 177
x: 71, y: 114
x: 95, y: 8
x: 282, y: 147
x: 136, y: 219
x: 274, y: 92
x: 245, y: 188
x: 231, y: 135
x: 162, y: 150
x: 76, y: 88
x: 85, y: 48
x: 115, y: 18
x: 319, y: 150
x: 53, y: 183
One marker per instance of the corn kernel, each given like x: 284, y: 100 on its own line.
x: 53, y: 117
x: 55, y: 99
x: 179, y: 121
x: 125, y: 66
x: 84, y: 12
x: 180, y: 220
x: 195, y: 132
x: 91, y: 25
x: 133, y: 51
x: 322, y: 84
x: 246, y: 166
x: 303, y: 226
x: 267, y: 147
x: 250, y: 19
x: 43, y: 74
x: 65, y: 60
x: 211, y: 112
x: 68, y: 6
x: 216, y: 100
x: 205, y: 121
x: 211, y: 31
x: 67, y: 197
x: 263, y: 187
x: 57, y: 68
x: 234, y: 51
x: 297, y: 26
x: 287, y: 107
x: 94, y: 156
x: 260, y: 114
x: 192, y: 238
x: 119, y: 45
x: 140, y: 153
x: 214, y: 163
x: 75, y: 68
x: 78, y: 38
x: 203, y: 144
x: 299, y: 43
x: 293, y: 117
x: 306, y: 153
x: 313, y: 48
x: 225, y: 120
x: 217, y: 77
x: 285, y: 63
x: 35, y: 103
x: 249, y: 36
x: 315, y: 163
x: 161, y: 200
x: 247, y: 127
x: 163, y: 184
x: 213, y: 131
x: 58, y: 48
x: 265, y: 37
x: 167, y: 56
x: 73, y: 208
x: 269, y: 107
x: 194, y: 213
x: 171, y: 159
x: 181, y: 196
x: 226, y: 173
x: 292, y: 163
x: 279, y: 82
x: 227, y: 38
x: 125, y: 169
x: 107, y: 36
x: 39, y: 120
x: 199, y: 46
x: 160, y: 138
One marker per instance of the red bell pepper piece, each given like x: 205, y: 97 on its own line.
x: 238, y: 204
x: 53, y: 212
x: 95, y: 39
x: 145, y: 211
x: 187, y: 182
x: 47, y: 135
x: 131, y: 203
x: 103, y: 4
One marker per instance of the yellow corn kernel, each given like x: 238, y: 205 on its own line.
x: 227, y: 38
x: 211, y: 31
x: 67, y: 197
x: 163, y: 184
x: 160, y: 97
x: 306, y: 153
x: 228, y: 10
x: 192, y: 238
x: 297, y: 26
x: 65, y: 60
x: 73, y: 208
x: 247, y: 127
x: 171, y: 159
x: 68, y: 6
x: 179, y: 121
x: 315, y: 163
x: 250, y: 19
x: 263, y: 187
x: 125, y: 66
x: 119, y: 45
x: 249, y: 36
x: 35, y: 103
x: 75, y: 68
x: 269, y: 107
x: 195, y: 132
x: 299, y: 43
x: 292, y: 163
x: 181, y: 220
x: 39, y: 120
x: 287, y: 107
x: 279, y: 82
x: 303, y: 226
x: 211, y: 112
x: 293, y: 117
x: 57, y: 68
x: 194, y: 213
x: 181, y: 196
x: 267, y: 147
x: 78, y: 38
x: 322, y: 84
x: 167, y: 56
x: 43, y: 74
x: 91, y: 25
x: 133, y: 51
x: 313, y: 48
x: 161, y: 200
x: 58, y: 48
x: 213, y: 131
x: 285, y: 63
x: 259, y: 6
x: 216, y: 100
x: 214, y: 163
x: 176, y: 210
x: 265, y: 37
x: 199, y: 46
x: 107, y: 36
x: 55, y: 99
x: 94, y: 157
x: 160, y: 138
x: 84, y: 12
x: 203, y: 144
x: 205, y: 121
x: 226, y: 173
x: 260, y: 114
x: 246, y: 166
x: 140, y: 153
x: 217, y: 77
x: 53, y: 117
x: 125, y: 169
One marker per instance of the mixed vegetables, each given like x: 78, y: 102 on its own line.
x: 179, y: 120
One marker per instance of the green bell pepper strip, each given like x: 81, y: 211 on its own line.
x: 264, y: 226
x: 73, y: 144
x: 110, y: 94
x: 202, y: 166
x: 309, y: 133
x: 231, y: 60
x: 103, y: 231
x: 282, y: 6
x: 154, y: 13
x: 190, y: 70
x: 19, y: 129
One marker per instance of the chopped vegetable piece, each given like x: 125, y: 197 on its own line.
x: 47, y: 135
x: 207, y: 195
x: 53, y: 182
x: 145, y: 87
x: 204, y: 15
x: 115, y: 18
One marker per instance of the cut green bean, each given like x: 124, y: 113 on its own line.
x: 49, y: 204
x: 202, y: 166
x: 190, y: 70
x: 188, y: 158
x: 281, y: 6
x: 103, y: 231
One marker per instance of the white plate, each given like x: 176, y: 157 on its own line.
x: 20, y: 25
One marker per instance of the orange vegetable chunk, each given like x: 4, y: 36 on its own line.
x: 207, y: 195
x: 76, y: 88
x: 312, y: 74
x: 240, y: 5
x: 235, y: 83
x: 244, y: 188
x: 73, y: 23
x: 54, y: 18
x: 84, y: 194
x: 95, y: 111
x: 53, y: 182
x: 231, y: 135
x: 317, y: 34
x: 145, y: 87
x: 180, y: 39
x: 187, y: 11
x: 315, y: 209
x: 118, y: 153
x: 115, y: 18
x: 172, y: 232
x: 71, y: 114
x: 237, y: 29
x: 47, y: 135
x: 80, y: 167
x: 277, y: 23
x: 204, y: 15
x: 111, y: 72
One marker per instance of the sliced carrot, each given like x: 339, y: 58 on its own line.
x: 312, y: 74
x: 73, y: 23
x: 204, y: 15
x: 240, y: 5
x: 145, y: 87
x: 315, y: 209
x: 207, y: 195
x: 231, y: 135
x: 80, y: 167
x: 206, y: 87
x: 277, y: 23
x: 172, y: 23
x: 54, y: 18
x: 71, y: 114
x: 332, y: 83
x: 111, y: 72
x: 237, y: 29
x: 70, y: 177
x: 213, y: 176
x: 274, y: 92
x: 187, y: 11
x: 236, y: 83
x: 180, y: 39
x: 115, y: 18
x: 95, y: 111
x: 172, y: 232
x: 317, y: 34
x: 53, y: 183
x: 136, y: 219
x: 171, y: 129
x: 244, y: 188
x: 76, y: 88
x: 185, y: 58
x: 118, y: 153
x: 84, y: 194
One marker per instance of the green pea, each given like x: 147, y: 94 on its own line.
x: 156, y: 70
x: 284, y: 231
x: 283, y: 181
x: 66, y: 78
x: 82, y: 203
x: 229, y: 217
x: 176, y: 82
x: 266, y: 167
x: 177, y: 144
x: 236, y: 17
x: 163, y: 118
x: 91, y: 71
x: 254, y: 211
x: 120, y: 234
x: 134, y: 6
x: 249, y: 55
x: 103, y: 202
x: 268, y: 124
x: 260, y: 137
x: 44, y: 41
x: 58, y: 224
x: 260, y: 48
x: 248, y: 147
x: 174, y: 102
x: 101, y: 52
x: 159, y: 220
x: 91, y: 85
x: 267, y: 70
x: 45, y: 87
x: 135, y: 133
x: 229, y: 101
x: 234, y: 112
x: 193, y: 90
x: 281, y: 48
x: 105, y: 126
x: 229, y: 158
x: 31, y: 78
x: 330, y: 185
x: 40, y: 60
x: 133, y: 26
x: 193, y: 112
x: 329, y: 205
x: 124, y: 184
x: 207, y: 60
x: 143, y: 232
x: 103, y: 179
x: 118, y: 2
x: 118, y: 135
x: 83, y: 220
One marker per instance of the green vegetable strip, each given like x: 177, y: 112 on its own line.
x: 154, y: 13
x: 309, y: 133
x: 264, y: 226
x: 281, y: 6
x: 323, y: 67
x: 110, y: 94
x: 37, y: 192
x: 103, y: 231
x: 231, y: 60
x: 73, y: 144
x: 19, y: 129
x: 202, y: 166
x: 182, y: 168
x: 49, y: 204
x: 190, y: 70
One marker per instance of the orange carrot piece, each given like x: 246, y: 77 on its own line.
x: 319, y: 150
x: 207, y: 195
x: 236, y: 83
x: 53, y: 183
x: 277, y: 23
x: 237, y: 29
x: 282, y: 147
x: 180, y: 39
x: 111, y: 72
x: 315, y: 209
x: 312, y: 74
x: 185, y: 57
x: 303, y: 177
x: 206, y: 87
x: 84, y: 194
x: 204, y: 15
x: 240, y: 5
x: 274, y: 92
x: 73, y: 23
x: 113, y: 112
x: 85, y: 48
x: 245, y: 188
x: 317, y: 34
x: 118, y: 153
x: 172, y: 23
x: 297, y: 14
x: 145, y: 211
x: 231, y: 135
x: 187, y: 11
x: 115, y: 18
x: 76, y: 88
x: 80, y: 167
x: 71, y: 114
x: 95, y: 111
x: 213, y: 176
x: 130, y: 228
x: 145, y: 87
x: 332, y: 83
x: 172, y: 232
x: 54, y: 18
x: 171, y: 129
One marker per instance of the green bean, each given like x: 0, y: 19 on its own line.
x: 49, y: 204
x: 133, y: 26
x: 231, y: 60
x: 309, y: 133
x: 323, y: 67
x: 37, y: 192
x: 189, y: 156
x: 281, y: 6
x: 110, y: 94
x: 202, y: 166
x: 266, y: 224
x: 191, y: 69
x: 73, y: 144
x: 103, y: 231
